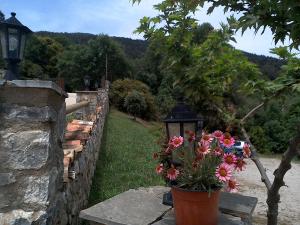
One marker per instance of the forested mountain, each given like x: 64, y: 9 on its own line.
x: 269, y: 66
x: 133, y: 48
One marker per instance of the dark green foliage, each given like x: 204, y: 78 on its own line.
x: 2, y: 16
x: 272, y: 128
x: 201, y: 32
x: 135, y: 103
x: 41, y: 58
x: 269, y: 66
x: 121, y: 88
x: 133, y: 48
x: 79, y: 60
x: 166, y: 96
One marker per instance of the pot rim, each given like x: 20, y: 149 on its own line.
x: 187, y: 190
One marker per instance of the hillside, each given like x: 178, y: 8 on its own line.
x: 133, y: 48
x: 269, y: 66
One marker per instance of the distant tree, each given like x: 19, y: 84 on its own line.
x: 41, y: 58
x: 201, y: 32
x: 135, y: 104
x: 103, y: 49
x: 2, y: 16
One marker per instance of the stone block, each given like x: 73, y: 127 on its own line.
x: 37, y: 191
x: 7, y: 178
x: 134, y: 207
x: 21, y: 217
x: 24, y: 150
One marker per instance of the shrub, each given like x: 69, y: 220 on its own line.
x: 121, y: 88
x: 135, y: 103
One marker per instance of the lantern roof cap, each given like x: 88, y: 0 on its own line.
x: 182, y: 112
x: 14, y: 22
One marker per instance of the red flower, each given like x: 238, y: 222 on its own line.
x: 232, y: 186
x: 172, y: 173
x: 206, y: 137
x: 159, y: 168
x: 229, y: 159
x: 192, y: 136
x: 223, y: 172
x: 246, y: 151
x: 203, y: 148
x: 218, y: 151
x: 177, y: 141
x: 240, y: 164
x: 195, y: 164
x: 218, y: 134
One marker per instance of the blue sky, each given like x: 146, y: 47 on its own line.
x: 112, y: 17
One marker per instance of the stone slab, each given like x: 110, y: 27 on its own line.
x: 134, y: 207
x: 237, y: 205
x: 35, y: 84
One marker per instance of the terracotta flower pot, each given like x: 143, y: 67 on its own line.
x: 195, y: 208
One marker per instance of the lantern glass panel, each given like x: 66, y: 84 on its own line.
x: 3, y: 43
x: 189, y: 127
x: 22, y: 48
x: 174, y: 129
x: 13, y: 42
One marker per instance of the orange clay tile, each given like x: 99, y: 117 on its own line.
x: 76, y: 149
x: 77, y: 135
x: 69, y: 153
x: 82, y: 122
x: 66, y: 161
x: 77, y: 127
x: 72, y: 143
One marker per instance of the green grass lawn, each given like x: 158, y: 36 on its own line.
x: 125, y: 159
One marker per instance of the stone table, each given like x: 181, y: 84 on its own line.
x: 139, y: 207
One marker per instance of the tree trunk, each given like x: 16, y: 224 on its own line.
x: 273, y: 193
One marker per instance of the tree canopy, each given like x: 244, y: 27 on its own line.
x: 282, y: 17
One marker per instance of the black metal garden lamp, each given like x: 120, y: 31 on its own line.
x: 181, y: 119
x: 178, y: 121
x: 87, y: 82
x: 13, y: 36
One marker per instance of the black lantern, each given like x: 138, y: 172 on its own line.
x: 182, y: 119
x: 13, y: 37
x: 87, y: 82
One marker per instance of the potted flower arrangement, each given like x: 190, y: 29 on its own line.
x: 197, y: 170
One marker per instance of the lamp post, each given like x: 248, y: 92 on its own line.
x: 87, y: 82
x: 181, y: 119
x: 13, y: 38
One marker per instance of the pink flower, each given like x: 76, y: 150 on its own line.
x: 206, y: 137
x: 160, y: 168
x: 177, y: 141
x: 227, y: 141
x: 172, y: 173
x: 232, y: 186
x: 203, y: 148
x: 218, y: 151
x: 223, y: 172
x: 240, y: 164
x: 229, y: 159
x: 218, y: 134
x: 246, y: 151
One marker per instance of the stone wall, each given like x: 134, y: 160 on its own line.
x: 83, y: 162
x: 32, y: 143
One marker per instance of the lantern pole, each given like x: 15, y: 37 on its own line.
x: 12, y: 72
